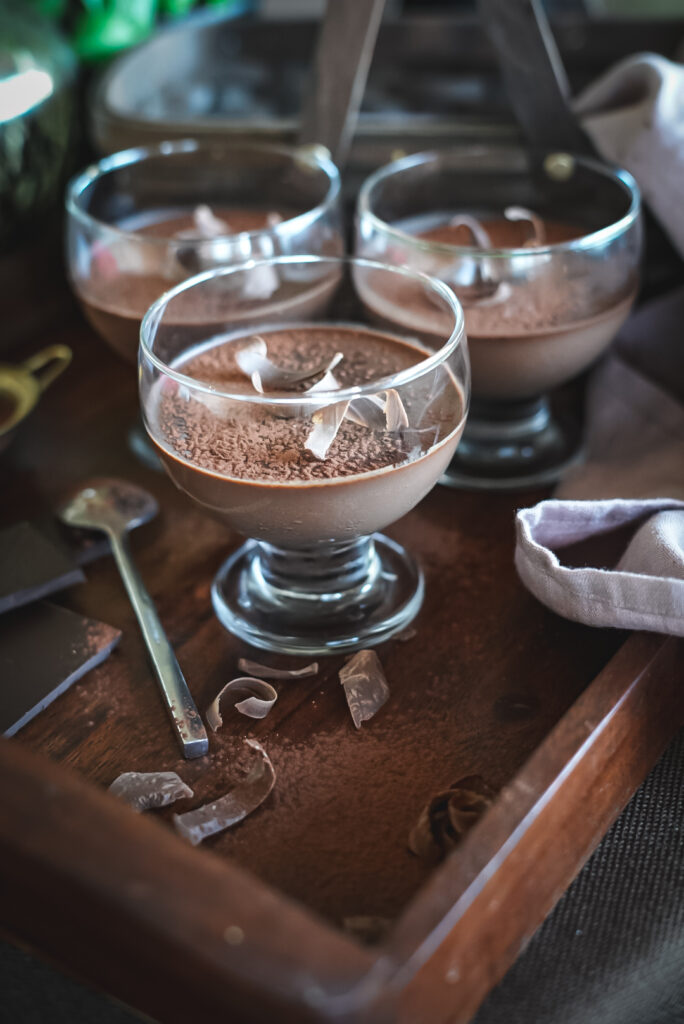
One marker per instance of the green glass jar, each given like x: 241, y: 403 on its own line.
x: 37, y: 76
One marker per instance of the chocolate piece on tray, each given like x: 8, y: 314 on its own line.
x: 83, y: 546
x: 144, y: 791
x: 32, y: 566
x: 43, y: 650
x: 365, y: 686
x: 267, y: 672
x: 448, y: 816
x: 251, y: 697
x: 234, y: 806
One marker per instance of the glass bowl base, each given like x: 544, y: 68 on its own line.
x: 325, y: 599
x: 509, y: 446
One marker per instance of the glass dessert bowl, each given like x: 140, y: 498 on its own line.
x: 307, y: 428
x: 142, y: 220
x: 543, y: 255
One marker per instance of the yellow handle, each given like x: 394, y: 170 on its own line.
x: 46, y: 366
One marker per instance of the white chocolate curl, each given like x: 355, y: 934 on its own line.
x: 249, y: 696
x: 537, y: 224
x: 253, y: 360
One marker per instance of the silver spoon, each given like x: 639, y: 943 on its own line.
x: 115, y: 507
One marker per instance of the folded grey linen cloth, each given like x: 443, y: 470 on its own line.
x: 633, y: 476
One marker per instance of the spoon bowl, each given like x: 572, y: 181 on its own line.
x: 108, y: 505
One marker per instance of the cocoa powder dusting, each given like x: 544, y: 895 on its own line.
x: 255, y: 441
x: 548, y: 298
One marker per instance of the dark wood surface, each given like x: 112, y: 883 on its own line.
x: 489, y: 681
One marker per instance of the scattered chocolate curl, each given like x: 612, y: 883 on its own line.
x: 266, y: 672
x: 228, y: 810
x: 254, y: 362
x: 522, y: 213
x: 448, y: 816
x: 145, y: 790
x: 365, y: 686
x: 249, y: 696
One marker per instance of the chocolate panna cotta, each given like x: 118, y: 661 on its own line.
x: 249, y: 461
x: 126, y: 275
x: 532, y: 323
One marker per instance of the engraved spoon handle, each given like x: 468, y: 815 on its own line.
x: 185, y: 718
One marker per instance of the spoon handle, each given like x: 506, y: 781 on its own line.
x: 186, y: 720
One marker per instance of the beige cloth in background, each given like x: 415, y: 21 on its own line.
x: 635, y: 422
x: 634, y: 115
x: 635, y: 465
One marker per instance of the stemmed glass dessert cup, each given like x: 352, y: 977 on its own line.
x: 308, y: 423
x: 144, y: 219
x: 132, y: 231
x: 543, y: 253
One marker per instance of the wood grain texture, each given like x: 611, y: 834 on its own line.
x: 488, y: 676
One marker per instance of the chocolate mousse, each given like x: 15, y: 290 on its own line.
x: 253, y: 463
x: 532, y: 322
x: 127, y: 274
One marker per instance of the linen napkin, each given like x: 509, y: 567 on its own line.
x: 634, y: 115
x: 633, y: 478
x: 635, y: 468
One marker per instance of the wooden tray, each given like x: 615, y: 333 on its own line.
x: 562, y: 720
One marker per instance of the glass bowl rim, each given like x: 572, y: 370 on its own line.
x: 171, y: 147
x: 585, y: 242
x: 155, y: 312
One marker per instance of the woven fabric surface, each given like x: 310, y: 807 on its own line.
x: 612, y: 951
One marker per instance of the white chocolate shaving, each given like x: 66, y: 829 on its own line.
x: 249, y: 696
x: 367, y: 411
x: 477, y: 230
x: 260, y: 282
x: 146, y: 790
x: 522, y: 213
x: 326, y: 424
x: 395, y: 413
x: 365, y: 686
x: 207, y: 225
x: 228, y: 810
x: 253, y: 360
x: 266, y: 672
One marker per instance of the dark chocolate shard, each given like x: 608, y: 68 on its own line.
x: 368, y: 929
x: 365, y: 686
x: 228, y: 810
x: 253, y: 668
x: 43, y: 650
x: 448, y: 816
x: 144, y: 791
x: 249, y: 696
x: 32, y: 566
